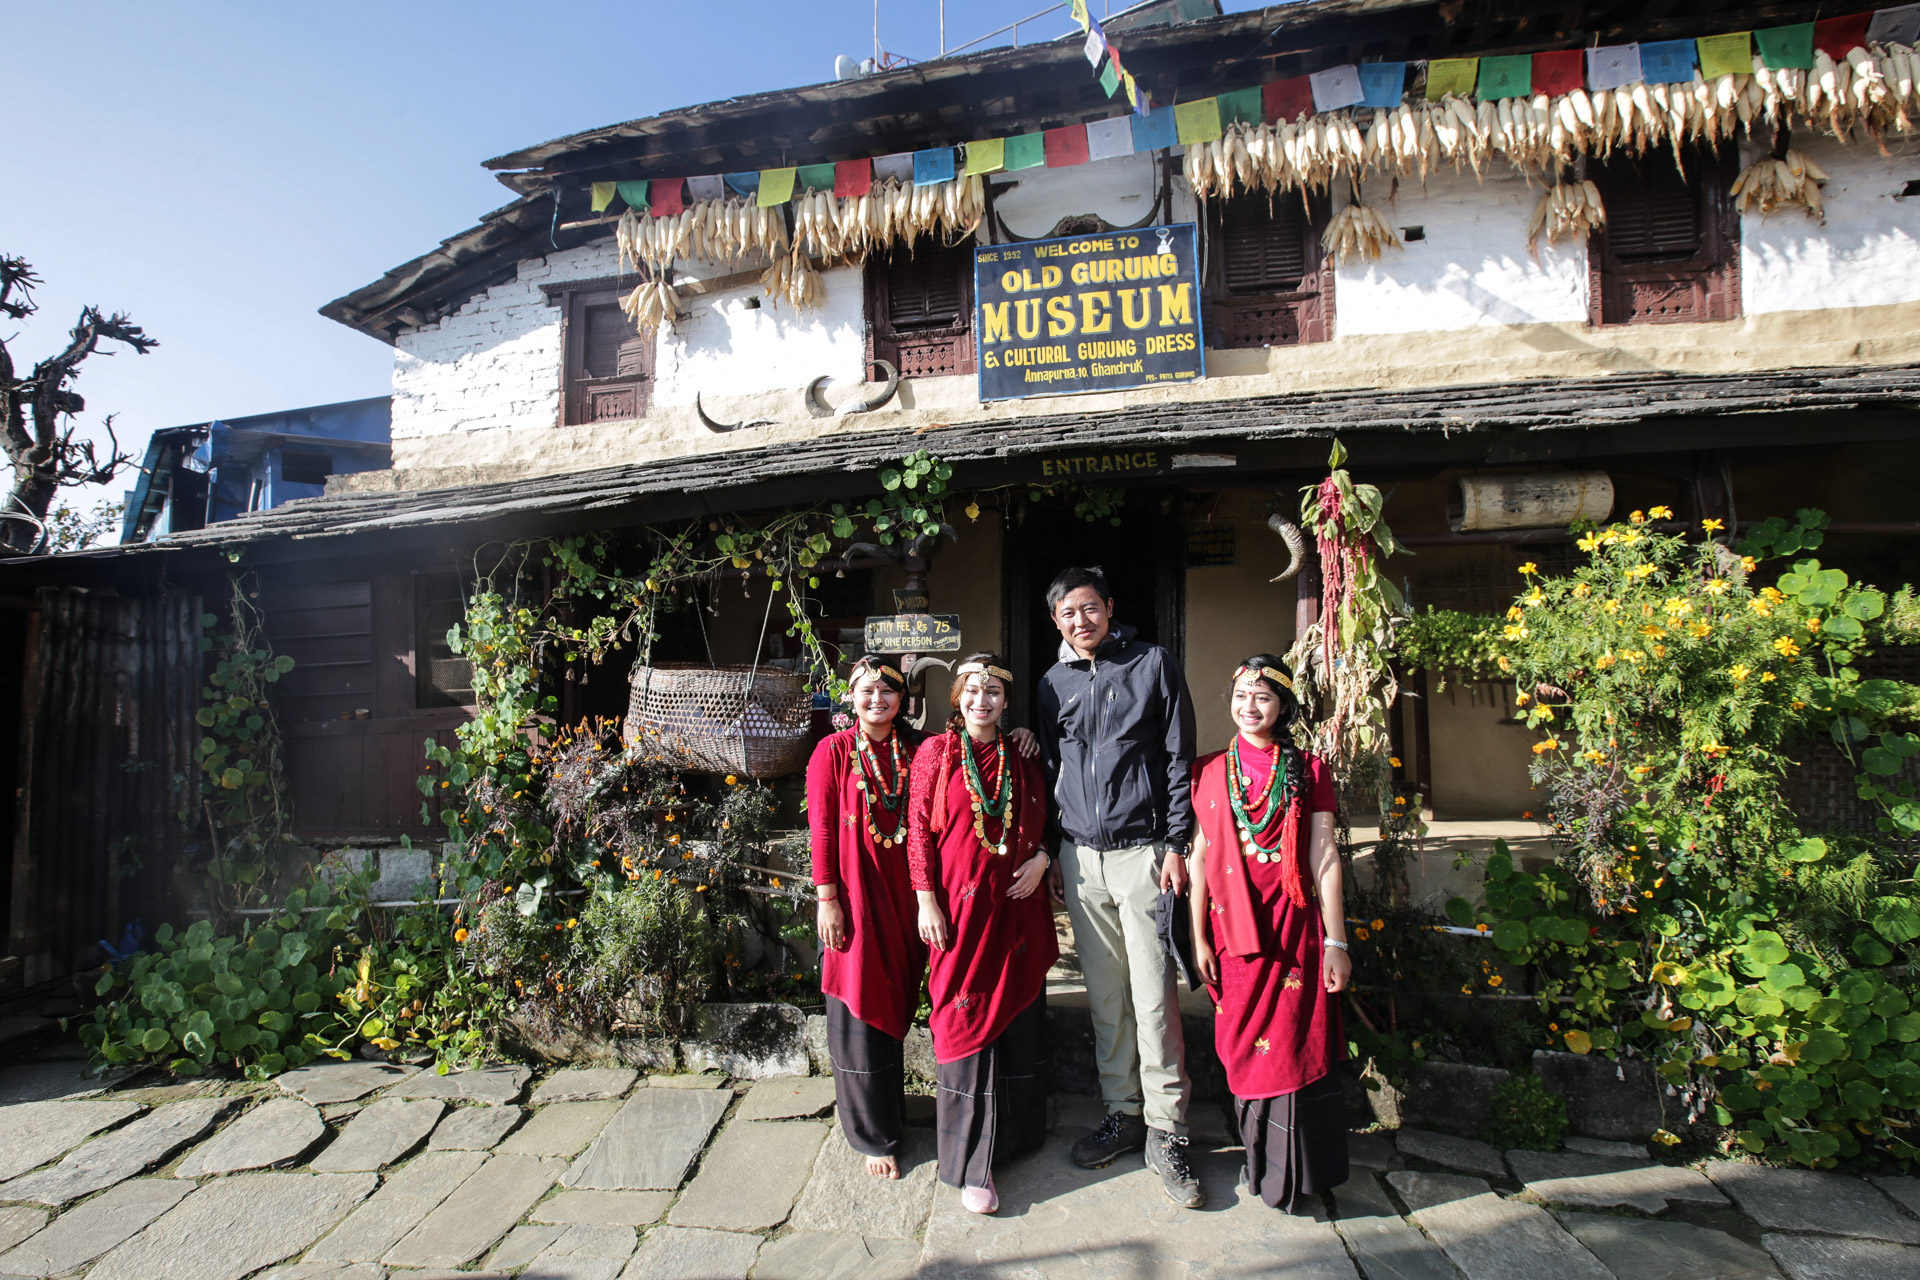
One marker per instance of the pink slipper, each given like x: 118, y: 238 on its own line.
x: 979, y: 1199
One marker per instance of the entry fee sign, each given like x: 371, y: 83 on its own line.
x: 1089, y: 313
x: 914, y: 633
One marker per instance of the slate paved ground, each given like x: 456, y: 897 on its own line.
x: 350, y: 1171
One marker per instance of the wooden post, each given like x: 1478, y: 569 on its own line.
x: 1306, y: 589
x: 919, y: 560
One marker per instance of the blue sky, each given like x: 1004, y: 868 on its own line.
x: 221, y: 170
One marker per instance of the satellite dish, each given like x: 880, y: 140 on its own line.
x: 845, y: 68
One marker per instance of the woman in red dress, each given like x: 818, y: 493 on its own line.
x: 871, y: 957
x: 978, y: 820
x: 1269, y: 936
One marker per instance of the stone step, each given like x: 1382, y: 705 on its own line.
x: 1805, y: 1200
x: 232, y: 1227
x: 1635, y: 1249
x: 1601, y: 1182
x: 1490, y: 1238
x: 409, y: 1194
x: 651, y: 1142
x: 119, y: 1155
x: 1386, y: 1246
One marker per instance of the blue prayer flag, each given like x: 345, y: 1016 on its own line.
x: 744, y: 183
x: 935, y: 164
x: 1667, y: 61
x: 1382, y: 83
x: 1155, y: 129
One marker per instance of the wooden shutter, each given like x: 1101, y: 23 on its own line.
x: 920, y: 309
x: 606, y: 363
x: 1670, y: 249
x: 1269, y: 284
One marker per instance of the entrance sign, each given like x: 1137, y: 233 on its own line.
x: 1100, y: 312
x: 914, y: 633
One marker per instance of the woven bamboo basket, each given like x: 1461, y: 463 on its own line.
x: 724, y: 719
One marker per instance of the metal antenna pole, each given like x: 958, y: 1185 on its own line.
x: 876, y: 33
x: 943, y: 28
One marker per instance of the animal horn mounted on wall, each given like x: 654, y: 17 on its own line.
x: 711, y: 425
x: 859, y: 404
x: 1296, y: 545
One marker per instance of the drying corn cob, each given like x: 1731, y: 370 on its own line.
x: 1567, y: 210
x: 1771, y: 184
x: 1358, y: 231
x: 651, y: 305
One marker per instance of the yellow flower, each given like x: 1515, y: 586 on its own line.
x: 1513, y: 613
x: 1610, y: 606
x: 1582, y: 590
x: 1522, y: 698
x: 1504, y: 665
x: 973, y: 511
x: 1595, y: 756
x: 1629, y: 537
x: 1715, y: 586
x: 1495, y: 980
x: 732, y: 781
x: 1638, y: 517
x: 1632, y: 655
x: 1766, y: 677
x: 1761, y: 606
x: 1662, y: 512
x: 1534, y: 598
x: 1813, y: 624
x: 1797, y: 704
x: 1748, y: 563
x: 1659, y: 651
x: 1394, y: 761
x: 1541, y: 748
x: 1590, y: 543
x: 572, y: 923
x: 1700, y: 630
x: 1360, y: 932
x: 1786, y: 647
x: 459, y: 935
x: 1679, y: 606
x: 1529, y: 568
x: 1545, y: 713
x: 1481, y: 928
x: 1514, y: 632
x: 1774, y: 594
x: 1379, y: 925
x: 1713, y: 526
x: 1738, y: 671
x: 1640, y: 571
x: 1606, y: 660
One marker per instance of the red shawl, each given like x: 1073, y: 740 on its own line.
x: 1000, y: 948
x: 1237, y: 924
x: 878, y: 975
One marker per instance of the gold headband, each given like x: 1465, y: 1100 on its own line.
x: 1278, y: 677
x: 982, y: 669
x: 877, y: 668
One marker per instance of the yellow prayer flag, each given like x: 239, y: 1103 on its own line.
x: 776, y: 187
x: 1080, y: 15
x: 603, y: 195
x: 1451, y: 75
x: 1727, y: 55
x: 988, y: 156
x: 1197, y: 121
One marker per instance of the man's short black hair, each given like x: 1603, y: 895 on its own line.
x: 1071, y: 580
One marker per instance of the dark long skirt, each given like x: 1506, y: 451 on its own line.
x: 1296, y: 1143
x: 869, y: 1082
x: 992, y: 1106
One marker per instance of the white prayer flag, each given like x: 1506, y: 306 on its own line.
x: 898, y: 166
x: 1337, y: 87
x: 1611, y: 65
x: 1895, y: 26
x: 1096, y: 47
x: 709, y: 186
x: 1107, y: 139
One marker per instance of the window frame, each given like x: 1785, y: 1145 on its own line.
x: 1230, y: 315
x: 577, y: 388
x: 1712, y: 277
x: 884, y: 342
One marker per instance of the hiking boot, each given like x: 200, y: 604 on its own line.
x: 1167, y: 1156
x: 1118, y: 1134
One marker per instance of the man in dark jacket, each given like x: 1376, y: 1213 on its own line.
x: 1116, y: 733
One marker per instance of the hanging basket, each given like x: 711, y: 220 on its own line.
x: 734, y: 719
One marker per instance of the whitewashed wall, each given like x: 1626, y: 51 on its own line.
x: 1867, y: 254
x: 729, y: 347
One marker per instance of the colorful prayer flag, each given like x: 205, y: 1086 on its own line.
x: 664, y: 199
x: 935, y: 164
x: 1241, y: 106
x: 1095, y: 47
x: 1110, y: 139
x: 1382, y: 84
x: 1285, y: 101
x: 633, y: 194
x: 1142, y: 100
x: 603, y: 193
x: 1505, y: 77
x: 852, y: 178
x: 1898, y: 25
x: 1066, y: 147
x: 1611, y: 65
x: 1790, y: 46
x: 1155, y: 130
x: 1336, y: 87
x: 989, y: 155
x: 744, y: 183
x: 1197, y: 121
x: 1668, y: 61
x: 1558, y: 72
x: 776, y: 187
x: 898, y: 166
x: 1026, y: 151
x: 1728, y: 55
x: 816, y: 177
x: 1451, y: 75
x: 1835, y: 36
x: 1080, y: 15
x: 708, y: 186
x: 1110, y: 78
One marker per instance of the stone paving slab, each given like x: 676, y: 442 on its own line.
x: 651, y: 1142
x: 614, y: 1208
x: 522, y: 1245
x: 1805, y: 1200
x: 561, y: 1129
x: 17, y: 1222
x: 689, y: 1253
x: 1904, y: 1190
x: 89, y: 1230
x: 1373, y: 1151
x: 584, y: 1252
x: 330, y: 1081
x: 1465, y: 1154
x: 494, y: 1085
x: 585, y: 1084
x: 32, y: 1133
x: 702, y: 1081
x: 49, y: 1081
x: 751, y: 1175
x: 474, y: 1128
x: 1386, y: 1246
x: 409, y: 1194
x: 1489, y: 1238
x: 482, y: 1210
x: 1603, y: 1147
x: 277, y: 1131
x: 842, y: 1198
x: 380, y: 1135
x: 788, y: 1098
x: 328, y: 1271
x: 119, y: 1155
x: 232, y: 1227
x: 1831, y: 1258
x: 815, y: 1255
x: 1640, y: 1250
x: 1602, y: 1182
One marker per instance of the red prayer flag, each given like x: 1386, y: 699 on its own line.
x: 1561, y: 71
x: 852, y: 178
x: 1066, y: 146
x: 664, y: 197
x: 1835, y: 36
x: 1284, y: 101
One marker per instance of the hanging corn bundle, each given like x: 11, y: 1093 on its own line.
x: 1567, y: 211
x: 651, y: 305
x: 1772, y: 184
x: 793, y: 280
x: 1358, y: 231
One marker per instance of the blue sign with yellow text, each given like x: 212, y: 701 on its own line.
x: 1100, y: 312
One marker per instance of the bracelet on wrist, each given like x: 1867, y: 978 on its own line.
x: 1341, y: 945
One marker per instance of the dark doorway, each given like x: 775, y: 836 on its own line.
x: 1146, y: 578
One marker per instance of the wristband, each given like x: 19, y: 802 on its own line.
x: 1331, y: 943
x: 820, y: 892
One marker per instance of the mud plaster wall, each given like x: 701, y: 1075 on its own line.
x: 1234, y: 611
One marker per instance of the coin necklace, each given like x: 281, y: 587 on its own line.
x: 875, y: 790
x: 1255, y: 813
x: 995, y: 808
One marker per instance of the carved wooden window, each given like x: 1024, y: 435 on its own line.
x: 1670, y: 249
x: 920, y: 308
x: 606, y: 364
x: 1268, y: 282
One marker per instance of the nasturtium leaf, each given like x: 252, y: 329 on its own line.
x: 1809, y: 850
x: 1896, y: 919
x: 1460, y: 911
x: 1765, y: 948
x: 1823, y: 1046
x: 1784, y: 977
x: 1579, y: 1042
x: 1871, y: 950
x: 1510, y: 935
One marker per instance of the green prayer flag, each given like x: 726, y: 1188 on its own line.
x: 816, y: 177
x: 1453, y: 75
x: 1242, y: 106
x: 603, y: 195
x: 776, y: 187
x: 1197, y: 121
x: 1503, y: 77
x: 1728, y: 55
x: 634, y: 193
x: 1026, y: 151
x: 1786, y: 46
x: 986, y: 156
x: 1110, y: 78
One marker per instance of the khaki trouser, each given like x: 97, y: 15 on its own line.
x: 1137, y: 1040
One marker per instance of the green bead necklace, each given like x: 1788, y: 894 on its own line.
x: 984, y: 808
x: 876, y: 791
x: 1256, y: 813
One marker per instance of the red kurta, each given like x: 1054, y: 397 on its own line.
x: 1000, y: 948
x: 1275, y: 1027
x: 878, y: 975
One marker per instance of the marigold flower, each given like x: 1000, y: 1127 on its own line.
x: 1813, y: 624
x: 572, y: 923
x: 1738, y: 671
x: 1529, y: 568
x: 1713, y: 526
x: 1678, y: 605
x: 1715, y: 586
x: 1582, y: 590
x: 732, y: 780
x: 1513, y: 613
x: 1481, y: 928
x: 1522, y: 698
x: 1534, y: 598
x: 459, y: 935
x: 1766, y: 677
x: 1514, y: 632
x: 1495, y: 980
x: 1541, y: 748
x: 1501, y: 661
x: 1786, y: 647
x: 1748, y: 563
x: 1640, y: 571
x: 1700, y: 630
x: 1605, y: 660
x: 1379, y: 925
x: 1526, y: 813
x: 1394, y: 761
x: 1360, y: 932
x: 1610, y: 606
x: 1662, y: 512
x: 1638, y: 517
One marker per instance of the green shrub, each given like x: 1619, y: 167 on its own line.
x: 1525, y: 1115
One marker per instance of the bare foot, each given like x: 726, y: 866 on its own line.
x: 883, y: 1166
